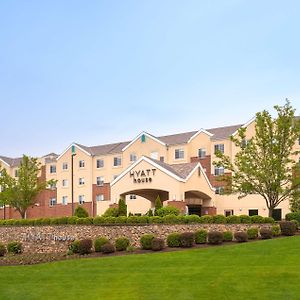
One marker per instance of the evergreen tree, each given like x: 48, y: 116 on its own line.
x: 122, y: 208
x: 157, y: 205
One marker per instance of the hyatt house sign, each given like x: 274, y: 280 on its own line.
x: 142, y: 176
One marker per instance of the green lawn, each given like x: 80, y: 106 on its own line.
x: 260, y: 270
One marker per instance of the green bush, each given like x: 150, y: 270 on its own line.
x: 122, y: 207
x: 74, y: 246
x: 62, y: 220
x: 276, y: 230
x: 110, y: 220
x: 206, y: 219
x: 146, y: 241
x: 85, y: 246
x: 121, y: 220
x: 46, y: 221
x: 122, y: 243
x: 168, y: 210
x: 241, y: 236
x: 173, y: 240
x: 84, y: 221
x: 187, y: 239
x: 233, y: 219
x: 269, y: 220
x: 108, y: 248
x: 219, y: 219
x: 190, y: 219
x: 155, y: 220
x: 99, y: 220
x: 296, y: 224
x: 265, y: 233
x: 245, y: 219
x: 171, y: 219
x: 99, y: 242
x: 14, y: 247
x: 288, y: 228
x: 72, y: 220
x: 157, y: 244
x: 158, y: 205
x: 252, y: 233
x: 2, y: 249
x: 215, y: 237
x: 111, y: 212
x: 150, y: 213
x: 228, y: 236
x: 81, y: 212
x: 293, y: 216
x: 257, y: 219
x: 201, y: 236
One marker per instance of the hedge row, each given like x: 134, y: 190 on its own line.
x: 169, y: 219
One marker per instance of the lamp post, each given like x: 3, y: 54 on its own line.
x: 72, y: 177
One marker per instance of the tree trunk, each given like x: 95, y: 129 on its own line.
x: 23, y: 214
x: 271, y: 209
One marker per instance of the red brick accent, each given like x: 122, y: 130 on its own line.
x: 178, y: 204
x: 208, y: 211
x: 114, y: 205
x: 105, y: 190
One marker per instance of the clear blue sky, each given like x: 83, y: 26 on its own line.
x: 97, y: 72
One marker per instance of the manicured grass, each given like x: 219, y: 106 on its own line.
x: 260, y: 270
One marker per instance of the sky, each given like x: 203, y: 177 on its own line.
x: 96, y: 72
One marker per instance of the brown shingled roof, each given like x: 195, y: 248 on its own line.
x: 13, y: 162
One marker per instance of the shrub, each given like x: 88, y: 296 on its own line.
x: 206, y: 219
x: 158, y: 205
x: 173, y: 240
x: 276, y: 230
x: 219, y: 219
x: 228, y: 236
x: 257, y: 219
x: 265, y: 233
x: 149, y: 213
x: 84, y: 221
x: 46, y: 221
x: 245, y: 219
x: 122, y: 208
x: 146, y: 241
x: 85, y: 246
x: 201, y: 236
x: 269, y: 220
x: 233, y: 219
x: 288, y: 228
x: 72, y: 220
x: 74, y: 246
x: 99, y: 242
x: 191, y: 219
x: 2, y: 249
x: 215, y: 237
x: 143, y: 219
x: 157, y: 244
x: 14, y: 247
x: 110, y: 220
x: 167, y: 210
x: 108, y: 248
x: 293, y: 216
x: 111, y: 212
x: 252, y: 233
x: 171, y: 219
x: 122, y: 243
x: 187, y: 239
x: 155, y: 220
x: 99, y: 220
x: 296, y: 224
x: 81, y: 212
x: 241, y: 236
x: 121, y: 220
x: 130, y: 249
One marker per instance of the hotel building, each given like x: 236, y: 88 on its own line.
x: 179, y: 168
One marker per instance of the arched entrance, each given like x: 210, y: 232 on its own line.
x: 195, y: 201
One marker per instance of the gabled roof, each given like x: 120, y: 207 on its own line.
x: 12, y: 162
x: 221, y: 133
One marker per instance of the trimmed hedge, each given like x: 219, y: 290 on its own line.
x: 157, y: 244
x: 265, y: 233
x: 122, y: 243
x: 74, y: 247
x: 85, y: 246
x: 293, y: 216
x: 215, y: 237
x: 201, y: 236
x: 99, y: 242
x: 173, y: 240
x: 108, y: 248
x: 241, y: 236
x: 227, y: 236
x: 276, y: 231
x: 288, y: 228
x: 187, y: 239
x: 252, y: 233
x: 146, y: 241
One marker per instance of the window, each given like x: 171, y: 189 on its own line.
x: 52, y: 201
x: 117, y: 161
x: 64, y: 200
x: 162, y: 159
x: 81, y: 164
x: 100, y: 163
x: 53, y: 169
x: 132, y: 197
x: 219, y: 190
x: 253, y: 212
x: 133, y: 157
x: 81, y: 181
x: 228, y: 212
x: 100, y: 181
x: 154, y: 154
x: 100, y: 197
x: 65, y: 182
x: 65, y: 166
x: 81, y: 199
x: 219, y: 147
x: 201, y: 153
x: 52, y: 186
x: 219, y: 171
x: 16, y: 173
x: 179, y: 154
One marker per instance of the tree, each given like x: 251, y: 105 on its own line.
x: 21, y: 192
x: 157, y: 205
x: 264, y: 164
x: 122, y: 207
x: 295, y: 199
x: 81, y: 212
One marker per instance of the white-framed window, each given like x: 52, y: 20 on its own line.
x: 202, y: 153
x: 100, y: 180
x: 52, y: 169
x: 133, y: 157
x: 179, y: 153
x: 81, y: 199
x: 64, y: 200
x: 219, y: 190
x: 65, y: 182
x: 81, y: 164
x: 228, y: 212
x: 81, y: 181
x: 65, y: 166
x: 154, y: 154
x: 132, y: 197
x: 52, y: 186
x: 219, y: 147
x: 219, y: 171
x: 162, y: 159
x: 117, y: 161
x: 100, y: 163
x: 52, y: 201
x: 100, y: 197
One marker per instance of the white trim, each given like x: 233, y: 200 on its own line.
x: 148, y: 135
x: 198, y: 132
x: 74, y: 144
x: 5, y: 162
x: 245, y: 125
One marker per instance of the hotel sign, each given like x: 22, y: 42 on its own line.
x: 142, y: 176
x: 37, y: 236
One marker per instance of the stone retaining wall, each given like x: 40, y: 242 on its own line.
x: 57, y: 238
